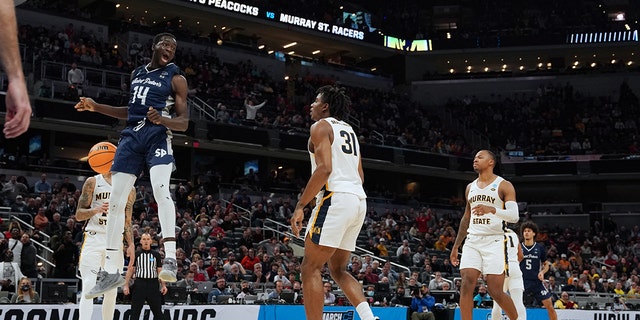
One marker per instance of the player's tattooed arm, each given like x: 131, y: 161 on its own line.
x: 464, y: 224
x: 84, y: 210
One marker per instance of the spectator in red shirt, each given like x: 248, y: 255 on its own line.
x: 422, y: 222
x: 249, y: 260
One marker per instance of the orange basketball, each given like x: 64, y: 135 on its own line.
x: 101, y: 156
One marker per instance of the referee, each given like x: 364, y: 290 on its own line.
x: 146, y: 267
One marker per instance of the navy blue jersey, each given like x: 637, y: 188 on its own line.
x: 151, y: 88
x: 534, y: 257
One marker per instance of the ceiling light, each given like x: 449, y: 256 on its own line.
x: 291, y: 52
x: 486, y: 69
x: 261, y: 46
x: 270, y: 51
x: 286, y: 77
x: 593, y: 64
x: 374, y: 69
x: 504, y: 66
x: 629, y: 63
x: 315, y: 52
x: 117, y: 5
x: 289, y: 45
x: 613, y: 61
x: 521, y: 68
x: 451, y: 71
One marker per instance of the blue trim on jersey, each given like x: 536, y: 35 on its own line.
x: 322, y: 216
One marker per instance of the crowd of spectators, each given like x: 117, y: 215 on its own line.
x: 556, y: 120
x: 225, y: 242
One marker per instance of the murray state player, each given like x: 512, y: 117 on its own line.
x: 491, y: 202
x: 513, y: 283
x: 93, y: 208
x: 157, y: 89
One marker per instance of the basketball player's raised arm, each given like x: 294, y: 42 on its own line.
x: 84, y: 210
x: 88, y: 104
x: 128, y: 230
x: 180, y: 122
x: 462, y: 230
x: 18, y: 106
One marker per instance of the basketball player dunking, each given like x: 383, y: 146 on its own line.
x: 157, y: 89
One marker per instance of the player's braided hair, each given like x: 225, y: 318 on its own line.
x: 337, y: 99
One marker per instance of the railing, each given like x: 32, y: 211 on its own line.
x: 204, y: 110
x: 93, y: 76
x: 14, y: 216
x: 353, y: 121
x: 283, y: 229
x: 378, y: 136
x: 246, y: 216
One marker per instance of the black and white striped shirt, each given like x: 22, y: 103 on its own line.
x: 147, y: 263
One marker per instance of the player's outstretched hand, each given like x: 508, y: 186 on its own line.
x: 18, y: 114
x: 154, y: 116
x: 85, y: 104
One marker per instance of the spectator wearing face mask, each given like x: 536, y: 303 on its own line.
x: 245, y: 290
x: 26, y: 293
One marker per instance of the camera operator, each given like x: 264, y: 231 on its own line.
x: 618, y: 304
x: 422, y: 303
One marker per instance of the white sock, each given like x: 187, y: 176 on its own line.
x: 160, y: 176
x: 121, y: 186
x: 111, y: 261
x: 364, y: 311
x: 170, y: 249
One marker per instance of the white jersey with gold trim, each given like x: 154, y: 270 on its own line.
x: 345, y: 158
x: 101, y: 193
x: 488, y: 224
